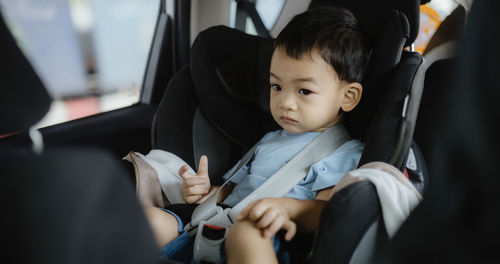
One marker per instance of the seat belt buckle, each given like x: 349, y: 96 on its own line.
x: 208, y: 241
x: 210, y: 235
x: 213, y: 232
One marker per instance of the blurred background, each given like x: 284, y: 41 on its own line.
x: 92, y: 54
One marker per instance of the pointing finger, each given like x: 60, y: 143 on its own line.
x: 203, y: 166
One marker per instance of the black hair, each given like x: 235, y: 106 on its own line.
x: 337, y: 35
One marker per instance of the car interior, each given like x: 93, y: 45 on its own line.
x: 71, y: 196
x: 68, y: 204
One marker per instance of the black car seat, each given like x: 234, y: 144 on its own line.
x: 219, y: 106
x: 61, y: 205
x: 458, y: 220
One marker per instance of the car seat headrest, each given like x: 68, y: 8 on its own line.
x: 372, y: 13
x: 230, y: 73
x: 385, y: 56
x: 24, y: 100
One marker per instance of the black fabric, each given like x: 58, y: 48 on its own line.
x: 386, y: 55
x: 71, y: 206
x: 383, y: 132
x: 458, y: 220
x: 298, y: 248
x: 207, y: 140
x: 173, y: 122
x: 344, y: 221
x: 437, y: 78
x: 183, y: 211
x: 24, y: 100
x: 177, y: 129
x: 372, y: 13
x: 224, y: 64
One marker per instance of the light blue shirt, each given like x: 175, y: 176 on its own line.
x: 275, y: 149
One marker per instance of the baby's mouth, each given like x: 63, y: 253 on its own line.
x: 288, y: 120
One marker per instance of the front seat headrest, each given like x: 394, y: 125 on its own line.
x: 24, y: 100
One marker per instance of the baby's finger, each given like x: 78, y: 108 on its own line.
x: 275, y: 226
x: 190, y: 199
x: 244, y: 213
x: 203, y: 166
x: 196, y: 190
x: 257, y: 211
x: 291, y: 229
x: 267, y: 218
x: 196, y: 181
x: 184, y: 172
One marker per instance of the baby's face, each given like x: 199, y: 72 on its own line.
x: 306, y: 94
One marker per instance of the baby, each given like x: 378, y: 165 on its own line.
x: 315, y: 77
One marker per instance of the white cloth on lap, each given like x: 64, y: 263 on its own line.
x: 167, y: 165
x: 397, y: 195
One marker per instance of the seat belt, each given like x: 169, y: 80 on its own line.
x: 279, y: 184
x: 297, y: 168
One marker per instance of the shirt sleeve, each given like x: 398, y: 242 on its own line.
x: 328, y: 171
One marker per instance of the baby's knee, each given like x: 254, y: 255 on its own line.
x: 240, y: 231
x: 153, y: 214
x: 246, y: 244
x: 163, y: 224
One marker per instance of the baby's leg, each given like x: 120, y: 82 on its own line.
x: 245, y: 244
x: 163, y: 224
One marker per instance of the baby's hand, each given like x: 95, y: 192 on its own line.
x: 270, y: 215
x: 195, y: 186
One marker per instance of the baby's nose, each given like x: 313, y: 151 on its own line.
x: 288, y: 102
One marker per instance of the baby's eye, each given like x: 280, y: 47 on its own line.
x: 304, y: 92
x: 275, y: 87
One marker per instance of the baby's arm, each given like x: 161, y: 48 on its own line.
x: 307, y: 213
x: 196, y: 188
x: 272, y: 214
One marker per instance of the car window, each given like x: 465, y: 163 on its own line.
x: 268, y: 10
x: 91, y: 54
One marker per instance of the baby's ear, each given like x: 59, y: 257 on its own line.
x: 352, y: 96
